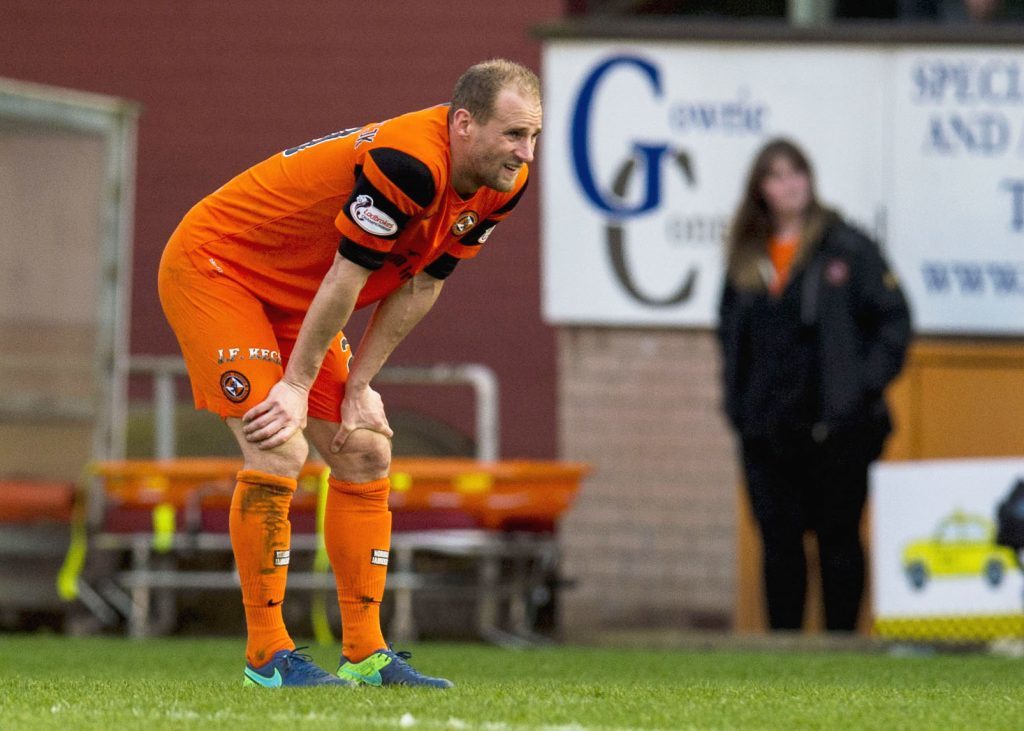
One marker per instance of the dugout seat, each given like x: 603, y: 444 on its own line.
x: 34, y: 534
x: 498, y: 519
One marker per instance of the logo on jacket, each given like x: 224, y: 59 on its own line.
x: 371, y: 219
x: 235, y: 386
x: 837, y: 272
x: 464, y: 222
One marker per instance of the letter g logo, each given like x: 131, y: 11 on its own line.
x: 649, y: 155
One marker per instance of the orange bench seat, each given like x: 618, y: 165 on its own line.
x: 425, y: 492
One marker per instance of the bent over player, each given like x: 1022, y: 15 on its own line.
x: 257, y: 282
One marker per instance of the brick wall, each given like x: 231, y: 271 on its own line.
x: 651, y: 538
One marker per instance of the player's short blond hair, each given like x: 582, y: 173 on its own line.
x: 479, y: 86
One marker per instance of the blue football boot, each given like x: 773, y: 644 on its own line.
x: 290, y: 669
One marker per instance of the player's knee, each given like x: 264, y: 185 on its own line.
x: 296, y: 450
x: 285, y: 460
x: 366, y: 456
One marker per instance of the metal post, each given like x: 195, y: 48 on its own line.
x: 164, y: 369
x: 806, y: 13
x: 138, y: 621
x: 485, y: 382
x: 164, y: 395
x: 482, y: 379
x: 122, y: 190
x: 485, y: 387
x: 403, y: 622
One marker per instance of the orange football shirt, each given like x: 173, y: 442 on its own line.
x: 385, y: 186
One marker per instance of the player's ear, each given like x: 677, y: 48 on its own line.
x: 461, y: 122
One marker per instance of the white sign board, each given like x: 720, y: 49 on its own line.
x: 647, y: 147
x: 932, y: 550
x: 956, y: 225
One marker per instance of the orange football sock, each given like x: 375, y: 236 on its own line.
x: 357, y: 534
x: 261, y: 542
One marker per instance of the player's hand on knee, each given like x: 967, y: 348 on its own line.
x: 274, y: 421
x: 362, y: 408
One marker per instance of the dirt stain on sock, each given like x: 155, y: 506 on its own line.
x: 263, y: 502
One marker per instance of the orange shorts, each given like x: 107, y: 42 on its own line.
x: 234, y: 343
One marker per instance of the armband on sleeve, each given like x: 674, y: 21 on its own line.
x: 441, y: 267
x: 361, y: 255
x: 390, y: 188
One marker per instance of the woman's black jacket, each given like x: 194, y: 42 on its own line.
x: 858, y: 324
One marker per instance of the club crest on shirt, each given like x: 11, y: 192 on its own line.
x: 371, y: 219
x: 465, y: 222
x: 837, y: 272
x: 235, y: 386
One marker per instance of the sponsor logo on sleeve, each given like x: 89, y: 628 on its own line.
x: 379, y: 557
x: 371, y: 219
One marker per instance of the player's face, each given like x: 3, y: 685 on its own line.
x: 786, y: 188
x: 501, y: 146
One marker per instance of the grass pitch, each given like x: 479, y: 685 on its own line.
x: 49, y: 682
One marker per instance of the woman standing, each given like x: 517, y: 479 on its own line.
x: 813, y: 327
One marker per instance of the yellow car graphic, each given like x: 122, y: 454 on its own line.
x: 963, y: 545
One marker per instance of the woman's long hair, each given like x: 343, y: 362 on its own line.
x: 753, y: 226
